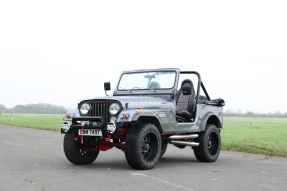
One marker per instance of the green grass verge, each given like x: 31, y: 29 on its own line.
x: 264, y: 135
x: 255, y: 135
x: 52, y: 122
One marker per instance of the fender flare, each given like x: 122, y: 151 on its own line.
x: 73, y: 111
x: 206, y: 117
x: 148, y: 117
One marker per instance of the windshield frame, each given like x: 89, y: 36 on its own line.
x: 146, y: 71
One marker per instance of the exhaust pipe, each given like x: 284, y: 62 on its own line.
x: 176, y: 137
x: 185, y: 143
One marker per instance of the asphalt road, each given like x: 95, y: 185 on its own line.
x: 32, y: 159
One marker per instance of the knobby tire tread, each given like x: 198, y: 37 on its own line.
x: 71, y: 149
x: 201, y: 153
x: 163, y: 150
x: 132, y: 145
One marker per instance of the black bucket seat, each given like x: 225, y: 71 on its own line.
x: 185, y: 104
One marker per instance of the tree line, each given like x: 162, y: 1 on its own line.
x: 46, y: 108
x: 40, y: 108
x: 277, y: 114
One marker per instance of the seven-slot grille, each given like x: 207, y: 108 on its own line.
x: 101, y: 109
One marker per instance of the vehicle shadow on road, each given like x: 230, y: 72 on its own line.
x: 181, y: 161
x: 176, y: 160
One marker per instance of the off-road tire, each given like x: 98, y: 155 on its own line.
x: 163, y: 149
x: 74, y: 152
x: 137, y: 150
x: 210, y: 143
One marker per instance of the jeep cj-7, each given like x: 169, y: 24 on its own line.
x: 146, y: 113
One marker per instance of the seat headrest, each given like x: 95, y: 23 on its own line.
x: 187, y: 82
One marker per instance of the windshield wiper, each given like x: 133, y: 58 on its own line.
x: 126, y: 90
x: 131, y: 90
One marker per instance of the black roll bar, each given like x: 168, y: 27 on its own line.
x: 205, y: 92
x: 198, y: 85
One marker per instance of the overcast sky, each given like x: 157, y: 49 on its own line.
x: 62, y: 52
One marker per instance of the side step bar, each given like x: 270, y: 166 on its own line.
x: 186, y: 143
x: 176, y: 137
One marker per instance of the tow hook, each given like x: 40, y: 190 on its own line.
x: 83, y: 125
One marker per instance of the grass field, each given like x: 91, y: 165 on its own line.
x: 37, y: 121
x: 253, y: 135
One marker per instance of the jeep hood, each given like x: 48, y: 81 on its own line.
x: 135, y: 102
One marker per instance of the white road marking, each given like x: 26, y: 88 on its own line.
x: 163, y: 181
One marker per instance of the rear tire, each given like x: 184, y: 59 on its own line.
x: 210, y: 143
x: 163, y: 149
x: 75, y: 153
x: 143, y: 146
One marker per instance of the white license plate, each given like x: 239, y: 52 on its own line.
x: 90, y: 132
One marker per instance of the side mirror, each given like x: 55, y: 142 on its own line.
x: 107, y: 86
x: 186, y: 90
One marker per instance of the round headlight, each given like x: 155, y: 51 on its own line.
x: 114, y: 108
x: 85, y: 108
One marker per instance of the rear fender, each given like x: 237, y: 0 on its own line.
x: 209, y: 118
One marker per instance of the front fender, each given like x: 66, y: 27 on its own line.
x: 136, y: 116
x: 75, y: 112
x: 147, y: 117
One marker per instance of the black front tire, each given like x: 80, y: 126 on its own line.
x: 210, y: 143
x: 143, y: 146
x: 75, y: 153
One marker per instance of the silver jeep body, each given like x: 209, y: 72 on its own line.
x: 157, y: 106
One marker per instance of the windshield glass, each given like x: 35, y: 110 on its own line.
x: 147, y: 80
